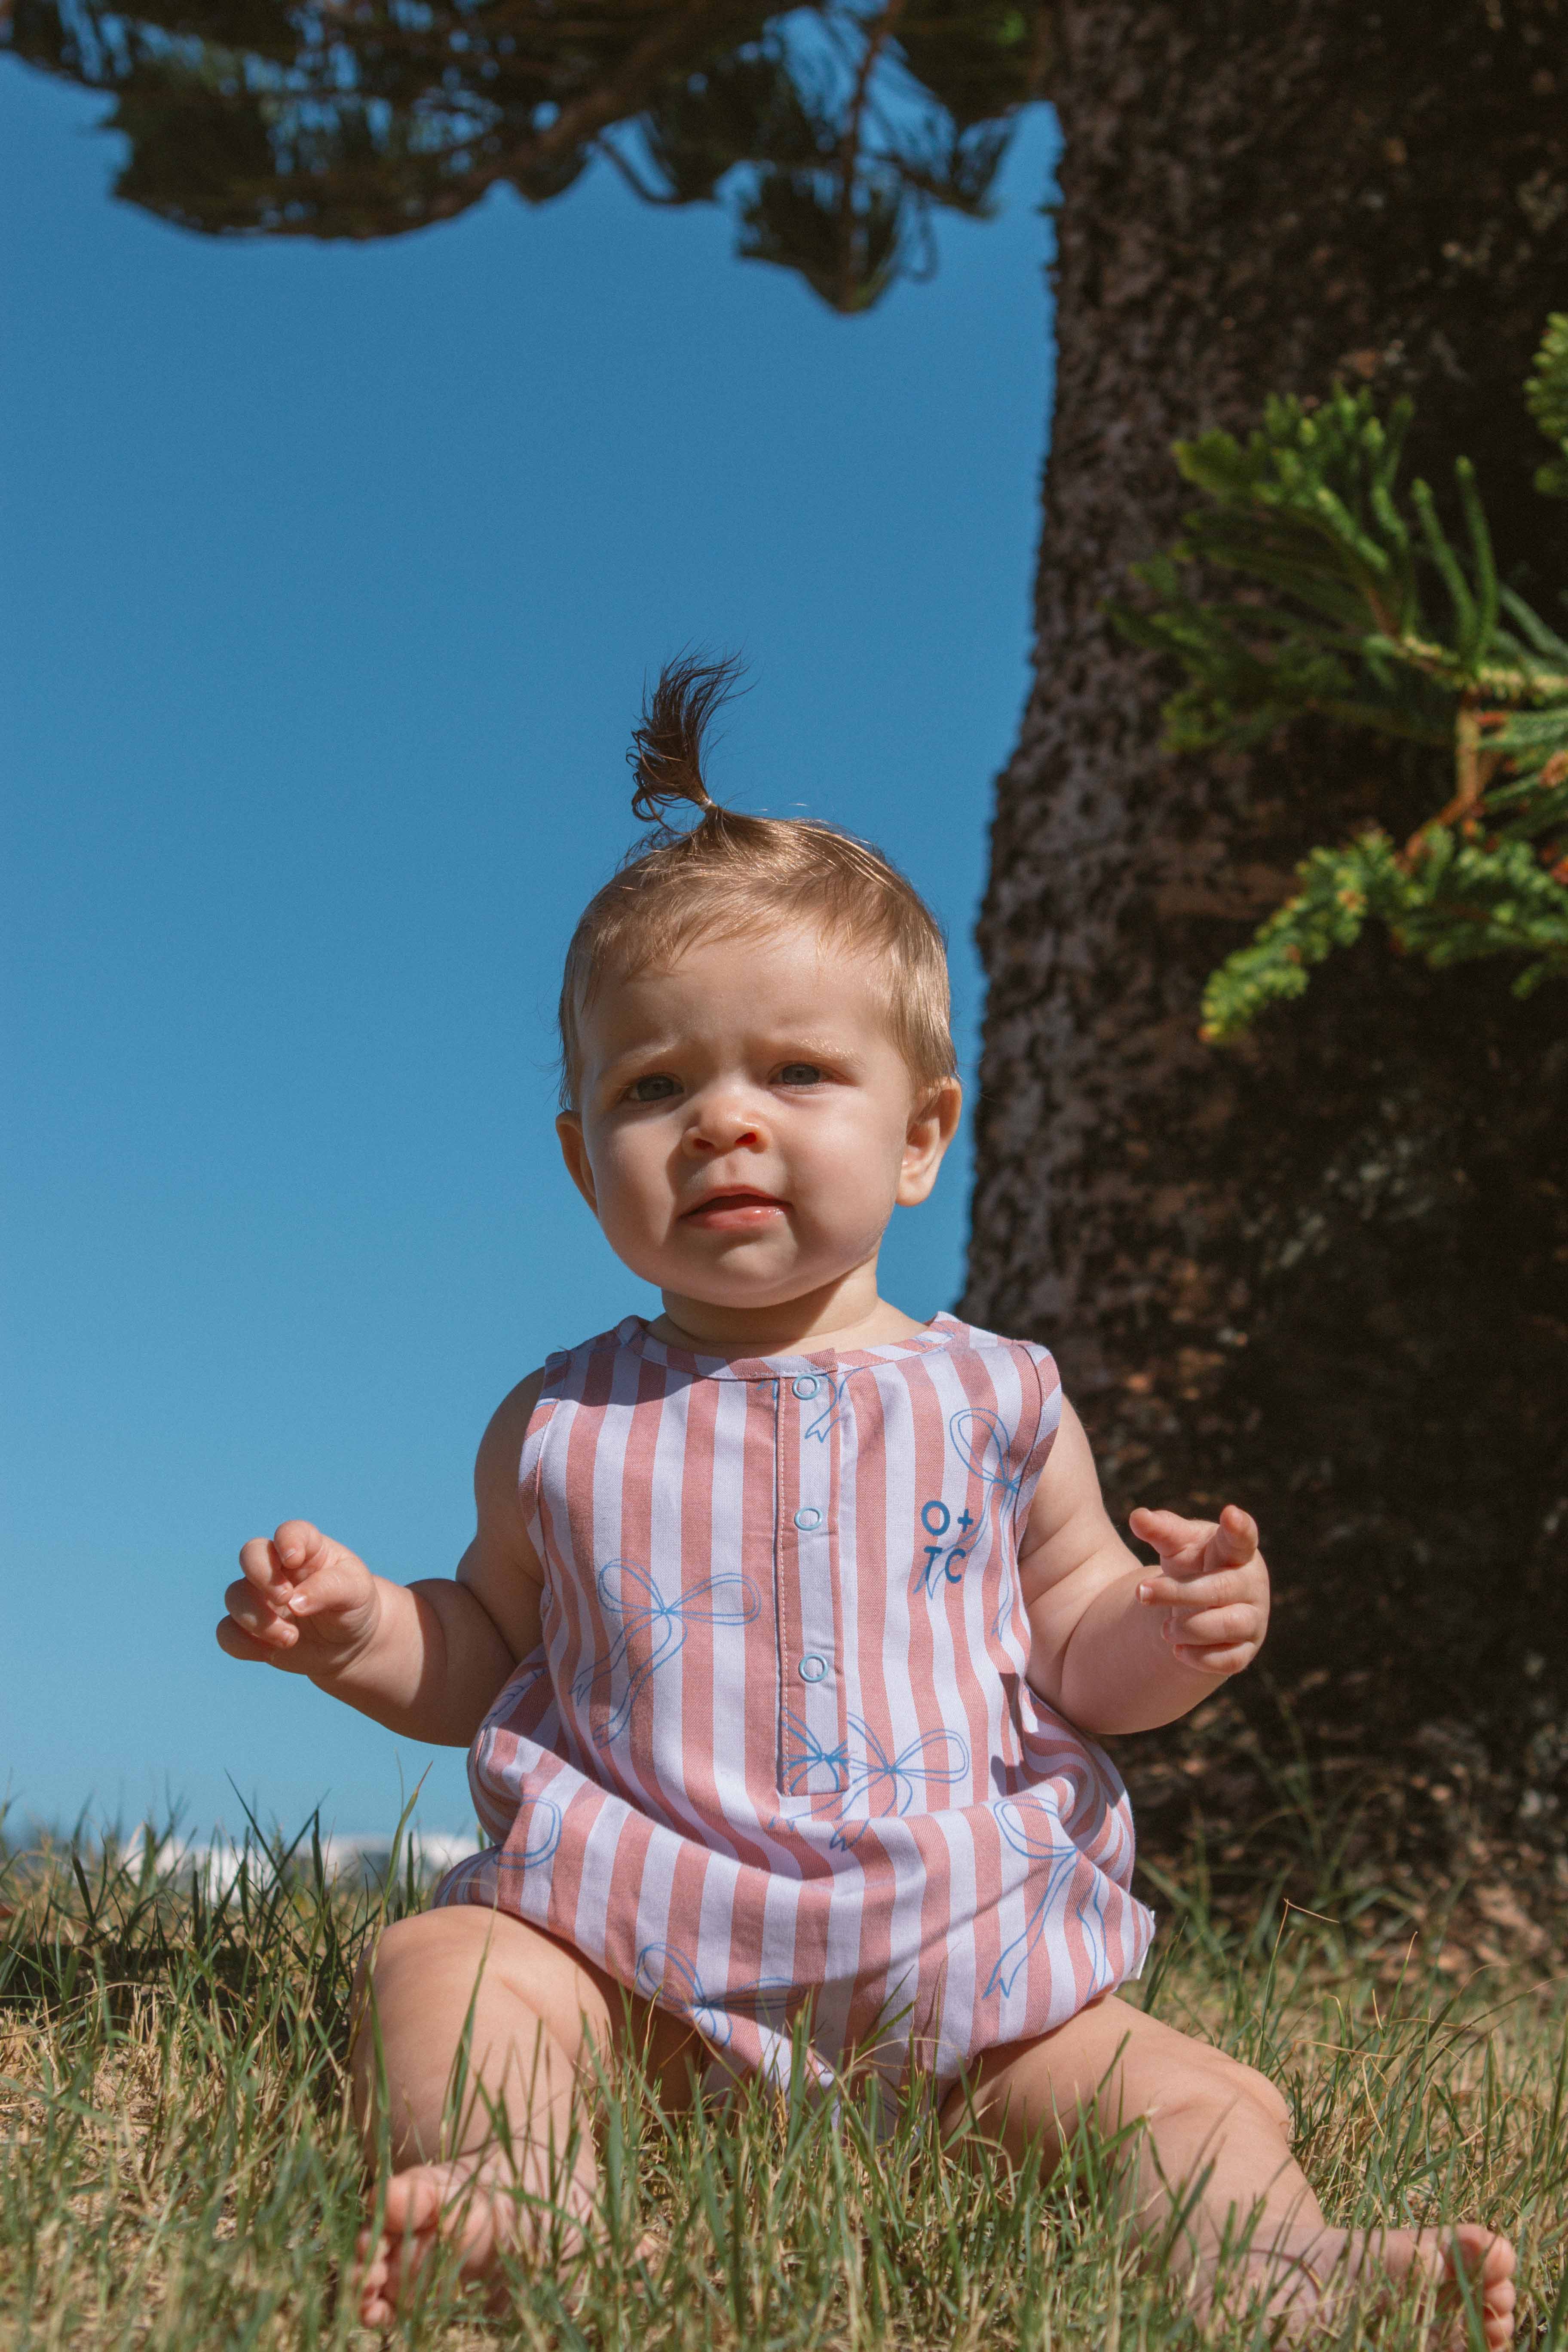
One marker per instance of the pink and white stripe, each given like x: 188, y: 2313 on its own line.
x: 777, y: 1755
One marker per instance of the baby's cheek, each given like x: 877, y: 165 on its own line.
x: 633, y: 1230
x: 851, y: 1204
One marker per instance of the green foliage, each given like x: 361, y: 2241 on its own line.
x: 1547, y: 394
x: 1450, y: 901
x: 1353, y: 603
x: 832, y: 129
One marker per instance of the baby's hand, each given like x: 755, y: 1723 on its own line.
x: 1214, y: 1584
x: 302, y: 1603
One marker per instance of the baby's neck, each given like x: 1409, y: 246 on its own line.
x: 844, y: 1315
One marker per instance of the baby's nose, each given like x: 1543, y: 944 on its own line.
x: 724, y: 1124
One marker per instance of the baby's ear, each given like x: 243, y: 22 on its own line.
x: 933, y: 1122
x: 574, y: 1151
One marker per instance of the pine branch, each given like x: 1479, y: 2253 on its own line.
x: 1356, y: 606
x: 1448, y: 902
x: 1546, y: 396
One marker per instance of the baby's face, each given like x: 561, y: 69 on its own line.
x: 747, y: 1124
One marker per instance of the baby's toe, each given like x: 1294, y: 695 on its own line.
x: 1489, y: 2258
x: 1488, y: 2263
x: 389, y: 2257
x: 369, y: 2285
x: 1499, y: 2299
x: 413, y: 2204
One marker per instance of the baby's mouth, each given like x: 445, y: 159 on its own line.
x: 735, y: 1213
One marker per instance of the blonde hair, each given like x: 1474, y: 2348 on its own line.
x: 728, y: 872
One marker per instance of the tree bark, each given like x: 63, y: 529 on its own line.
x: 1327, y: 1274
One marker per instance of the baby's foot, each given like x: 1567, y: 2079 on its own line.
x: 1459, y: 2270
x: 475, y: 2208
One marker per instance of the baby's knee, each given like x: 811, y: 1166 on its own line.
x: 407, y: 1954
x: 1216, y: 2081
x: 403, y: 1941
x: 1264, y: 2093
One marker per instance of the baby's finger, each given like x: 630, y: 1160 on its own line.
x: 1179, y: 1568
x: 1208, y: 1628
x: 1169, y: 1532
x: 335, y: 1579
x: 1210, y: 1590
x: 1236, y: 1538
x: 256, y: 1617
x: 1218, y: 1661
x: 235, y: 1642
x: 301, y: 1548
x: 260, y: 1566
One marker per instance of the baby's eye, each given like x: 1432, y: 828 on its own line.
x: 658, y: 1086
x: 800, y: 1074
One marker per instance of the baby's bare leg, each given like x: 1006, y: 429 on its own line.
x: 1212, y: 2121
x: 488, y: 2031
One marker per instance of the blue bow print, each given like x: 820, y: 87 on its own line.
x: 812, y: 1756
x: 832, y: 1411
x: 543, y: 1838
x: 666, y: 1623
x: 887, y: 1782
x: 1064, y: 1861
x: 983, y: 1442
x: 664, y: 1973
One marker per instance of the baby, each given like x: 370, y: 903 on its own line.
x: 787, y: 1631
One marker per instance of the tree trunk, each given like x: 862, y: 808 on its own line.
x: 1325, y: 1274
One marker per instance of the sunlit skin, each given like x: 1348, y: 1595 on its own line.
x: 745, y: 1128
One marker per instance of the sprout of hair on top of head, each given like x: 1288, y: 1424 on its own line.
x: 665, y: 755
x: 732, y: 876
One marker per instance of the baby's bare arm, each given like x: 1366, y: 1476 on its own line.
x: 426, y: 1659
x: 1118, y: 1645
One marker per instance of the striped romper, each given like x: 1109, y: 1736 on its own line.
x: 776, y: 1759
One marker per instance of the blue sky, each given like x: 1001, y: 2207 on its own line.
x: 330, y: 578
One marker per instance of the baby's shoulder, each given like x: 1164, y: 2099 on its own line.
x: 1001, y: 1343
x: 1010, y: 1409
x: 508, y: 1426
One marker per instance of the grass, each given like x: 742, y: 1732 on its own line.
x: 178, y: 2171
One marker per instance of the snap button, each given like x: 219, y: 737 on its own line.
x: 808, y: 1517
x: 807, y: 1385
x: 812, y: 1668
